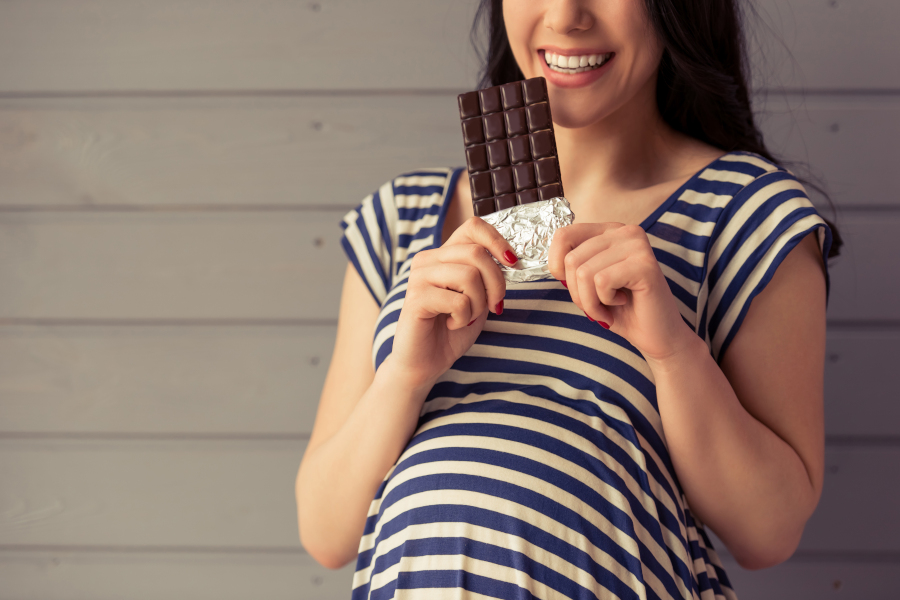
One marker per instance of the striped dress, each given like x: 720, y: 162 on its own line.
x: 539, y: 468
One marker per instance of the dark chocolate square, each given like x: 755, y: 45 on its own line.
x: 519, y: 149
x: 512, y: 95
x: 527, y: 196
x: 535, y: 90
x: 483, y: 207
x: 503, y: 181
x: 550, y: 191
x: 468, y: 105
x: 546, y: 171
x: 473, y: 133
x: 524, y: 177
x: 538, y: 116
x: 507, y: 201
x: 543, y: 144
x: 516, y: 123
x: 481, y: 185
x: 476, y: 158
x: 490, y: 100
x: 497, y: 154
x: 493, y: 127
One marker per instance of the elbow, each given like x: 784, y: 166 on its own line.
x: 769, y: 553
x: 326, y: 557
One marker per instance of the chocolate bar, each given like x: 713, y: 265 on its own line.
x: 510, y: 145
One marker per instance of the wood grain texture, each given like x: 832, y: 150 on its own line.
x: 289, y: 152
x: 240, y: 495
x: 234, y: 45
x: 265, y: 380
x: 108, y: 45
x: 279, y: 266
x: 218, y: 152
x: 66, y: 575
x: 209, y: 380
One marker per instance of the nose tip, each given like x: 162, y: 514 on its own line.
x: 567, y: 16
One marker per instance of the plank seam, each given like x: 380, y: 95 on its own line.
x: 223, y: 322
x: 22, y: 548
x: 143, y: 436
x: 201, y: 208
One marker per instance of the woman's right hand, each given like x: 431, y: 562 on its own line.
x: 449, y: 293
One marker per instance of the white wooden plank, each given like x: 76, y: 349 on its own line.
x: 162, y: 380
x: 240, y: 494
x: 831, y: 44
x: 816, y: 580
x: 862, y: 383
x: 232, y: 44
x: 161, y: 266
x: 334, y: 150
x: 219, y: 151
x: 65, y: 575
x: 109, y: 45
x: 275, y: 265
x: 848, y: 142
x: 196, y: 494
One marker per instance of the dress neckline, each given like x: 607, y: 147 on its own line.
x: 646, y: 224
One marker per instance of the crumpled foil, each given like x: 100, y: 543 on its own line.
x: 529, y: 229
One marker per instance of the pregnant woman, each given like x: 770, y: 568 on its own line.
x: 575, y: 437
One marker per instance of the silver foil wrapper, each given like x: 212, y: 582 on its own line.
x: 529, y: 228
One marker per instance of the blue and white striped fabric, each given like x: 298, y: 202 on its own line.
x: 539, y: 468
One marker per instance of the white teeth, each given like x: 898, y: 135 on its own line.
x: 575, y: 64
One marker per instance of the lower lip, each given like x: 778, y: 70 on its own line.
x: 575, y: 80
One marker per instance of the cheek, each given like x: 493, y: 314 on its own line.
x: 519, y: 17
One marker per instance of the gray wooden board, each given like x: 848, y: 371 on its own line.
x: 332, y: 44
x: 162, y: 380
x: 274, y: 265
x: 266, y: 380
x: 273, y: 152
x: 171, y: 266
x: 67, y: 575
x: 315, y: 151
x: 240, y: 494
x: 796, y: 580
x: 206, y: 494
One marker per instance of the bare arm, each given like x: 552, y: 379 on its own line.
x: 362, y: 425
x: 747, y: 439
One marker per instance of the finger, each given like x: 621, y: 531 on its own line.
x: 476, y: 256
x: 476, y: 231
x: 611, y: 285
x: 465, y: 280
x: 439, y: 301
x: 568, y: 238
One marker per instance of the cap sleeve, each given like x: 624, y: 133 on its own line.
x: 369, y: 238
x: 754, y: 233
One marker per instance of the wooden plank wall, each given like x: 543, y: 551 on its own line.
x: 171, y: 178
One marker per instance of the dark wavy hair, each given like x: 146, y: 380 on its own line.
x: 701, y: 87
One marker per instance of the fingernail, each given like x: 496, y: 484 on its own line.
x: 565, y: 285
x: 499, y: 308
x: 510, y: 257
x: 470, y: 324
x: 589, y: 317
x: 604, y: 325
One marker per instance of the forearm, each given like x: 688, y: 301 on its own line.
x: 744, y: 481
x: 338, y: 479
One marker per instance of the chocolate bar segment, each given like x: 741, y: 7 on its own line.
x: 510, y: 145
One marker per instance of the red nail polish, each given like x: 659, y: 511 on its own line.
x: 589, y: 317
x: 499, y: 308
x: 565, y: 285
x: 510, y: 257
x: 604, y: 325
x: 470, y: 324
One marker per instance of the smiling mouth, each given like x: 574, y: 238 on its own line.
x: 570, y: 65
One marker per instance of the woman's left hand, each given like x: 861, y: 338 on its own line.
x: 614, y: 277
